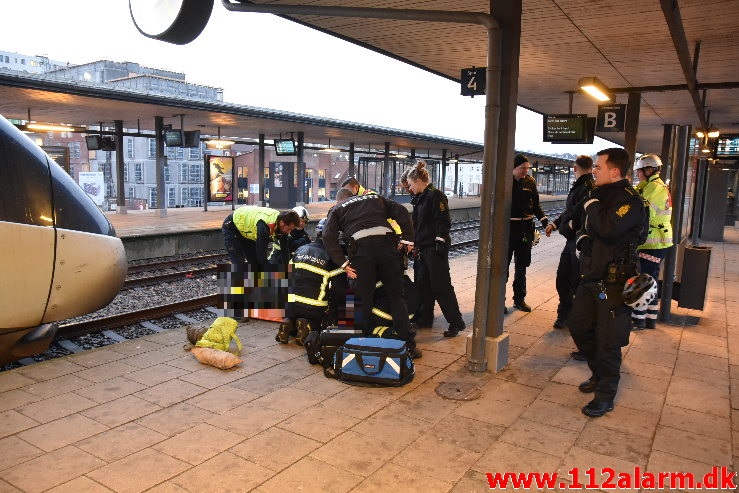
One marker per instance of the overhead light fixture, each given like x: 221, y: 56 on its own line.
x: 330, y: 149
x: 219, y: 143
x: 400, y: 155
x: 700, y: 134
x: 50, y: 127
x: 596, y: 88
x: 713, y: 133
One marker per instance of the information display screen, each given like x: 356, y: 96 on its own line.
x: 566, y: 129
x: 727, y: 146
x: 285, y: 147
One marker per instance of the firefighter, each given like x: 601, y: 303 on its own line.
x: 373, y: 254
x: 298, y: 236
x: 249, y: 232
x: 659, y: 239
x: 312, y: 275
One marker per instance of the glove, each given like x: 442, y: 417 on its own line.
x: 440, y: 247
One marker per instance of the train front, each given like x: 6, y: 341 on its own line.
x: 60, y: 256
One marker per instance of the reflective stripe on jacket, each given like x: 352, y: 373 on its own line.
x: 656, y: 192
x: 246, y: 219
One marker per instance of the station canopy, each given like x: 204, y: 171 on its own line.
x: 629, y: 44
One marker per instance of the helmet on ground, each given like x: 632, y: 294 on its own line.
x: 640, y: 291
x: 319, y: 227
x: 302, y: 212
x: 648, y: 161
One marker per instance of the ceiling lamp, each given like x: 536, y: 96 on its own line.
x: 48, y: 127
x: 713, y: 133
x: 219, y: 143
x: 330, y: 149
x: 700, y: 134
x: 596, y: 88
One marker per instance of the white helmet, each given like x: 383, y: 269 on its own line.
x: 302, y: 212
x: 640, y: 291
x: 648, y: 161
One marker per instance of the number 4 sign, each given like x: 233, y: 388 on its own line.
x: 473, y: 81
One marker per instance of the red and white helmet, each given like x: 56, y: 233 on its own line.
x: 640, y: 291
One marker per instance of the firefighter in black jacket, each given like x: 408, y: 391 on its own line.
x: 524, y: 206
x: 372, y: 247
x: 615, y: 222
x: 431, y: 267
x: 568, y: 270
x: 308, y: 299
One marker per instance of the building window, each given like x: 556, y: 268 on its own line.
x: 152, y: 148
x: 184, y: 196
x: 171, y: 197
x: 196, y: 173
x: 138, y: 170
x: 195, y: 196
x: 131, y: 192
x: 152, y: 197
x: 129, y: 148
x: 166, y: 173
x: 125, y: 172
x: 74, y: 150
x: 195, y: 152
x: 183, y: 172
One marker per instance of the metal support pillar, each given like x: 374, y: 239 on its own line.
x: 161, y: 160
x: 444, y: 164
x: 384, y: 184
x: 677, y: 183
x: 456, y: 176
x: 261, y: 179
x: 302, y: 196
x: 350, y: 171
x: 632, y: 123
x: 120, y: 163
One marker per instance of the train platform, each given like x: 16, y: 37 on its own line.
x: 144, y: 415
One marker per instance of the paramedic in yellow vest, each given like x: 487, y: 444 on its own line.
x: 249, y: 232
x: 659, y: 241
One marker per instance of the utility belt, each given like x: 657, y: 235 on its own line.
x: 354, y: 243
x: 620, y: 270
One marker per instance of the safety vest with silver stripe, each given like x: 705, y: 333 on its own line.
x: 657, y: 194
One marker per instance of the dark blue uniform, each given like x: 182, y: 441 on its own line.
x: 431, y: 267
x: 614, y: 221
x: 524, y: 206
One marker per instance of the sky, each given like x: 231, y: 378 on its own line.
x: 265, y: 61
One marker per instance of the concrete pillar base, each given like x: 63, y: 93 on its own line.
x: 496, y: 351
x: 121, y: 209
x: 162, y: 212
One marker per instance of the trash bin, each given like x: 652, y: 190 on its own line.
x: 690, y: 290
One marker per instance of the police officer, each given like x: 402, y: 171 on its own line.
x: 307, y: 303
x: 568, y: 223
x: 431, y: 267
x: 249, y: 231
x: 372, y: 248
x: 615, y: 223
x: 524, y: 206
x: 659, y: 239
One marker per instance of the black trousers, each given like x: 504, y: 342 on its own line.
x: 434, y: 284
x: 568, y: 277
x: 600, y: 327
x: 239, y: 249
x: 519, y: 243
x: 376, y: 259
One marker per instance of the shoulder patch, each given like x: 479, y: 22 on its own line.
x: 442, y: 206
x: 623, y: 210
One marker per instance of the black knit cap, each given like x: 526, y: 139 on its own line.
x: 519, y: 160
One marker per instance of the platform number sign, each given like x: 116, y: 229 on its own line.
x: 473, y: 81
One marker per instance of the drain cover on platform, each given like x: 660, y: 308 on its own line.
x: 458, y: 391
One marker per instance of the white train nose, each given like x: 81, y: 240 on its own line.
x: 88, y: 273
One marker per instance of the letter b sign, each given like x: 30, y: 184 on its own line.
x: 611, y: 118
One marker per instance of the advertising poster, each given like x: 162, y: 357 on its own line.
x: 93, y: 183
x: 220, y: 174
